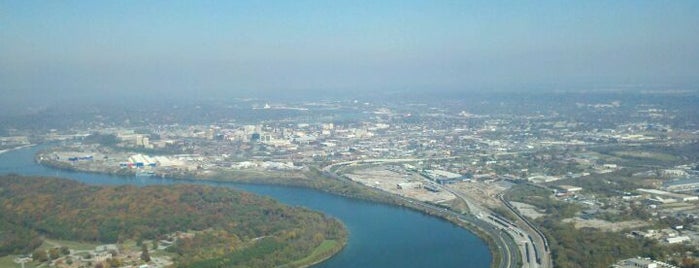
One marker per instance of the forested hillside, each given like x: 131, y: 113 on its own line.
x: 232, y: 227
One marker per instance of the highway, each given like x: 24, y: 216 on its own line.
x: 510, y: 250
x: 329, y: 168
x: 535, y: 236
x: 531, y: 242
x: 517, y: 236
x: 503, y: 241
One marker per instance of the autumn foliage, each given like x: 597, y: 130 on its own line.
x: 233, y: 227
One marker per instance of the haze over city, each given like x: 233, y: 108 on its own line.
x: 63, y: 50
x: 161, y: 134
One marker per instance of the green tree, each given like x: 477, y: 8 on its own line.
x: 53, y: 253
x: 40, y: 255
x: 145, y: 256
x: 113, y: 262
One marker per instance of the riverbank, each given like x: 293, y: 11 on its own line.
x: 326, y: 250
x: 314, y: 178
x: 193, y: 221
x: 380, y: 235
x: 16, y: 148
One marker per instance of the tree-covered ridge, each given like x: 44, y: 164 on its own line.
x: 230, y: 222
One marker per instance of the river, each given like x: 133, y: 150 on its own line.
x: 380, y: 235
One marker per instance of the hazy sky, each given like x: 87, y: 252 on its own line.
x: 67, y: 49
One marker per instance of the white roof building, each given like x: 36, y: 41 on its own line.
x: 677, y: 239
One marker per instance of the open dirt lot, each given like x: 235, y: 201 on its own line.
x: 528, y: 210
x: 605, y: 225
x: 481, y: 192
x: 388, y: 179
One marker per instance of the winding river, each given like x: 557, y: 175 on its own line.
x: 380, y: 235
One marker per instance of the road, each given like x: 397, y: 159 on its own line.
x: 513, y: 232
x: 531, y: 242
x: 328, y: 168
x: 507, y: 246
x: 535, y: 235
x: 510, y: 250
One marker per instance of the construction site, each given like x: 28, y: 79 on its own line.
x: 401, y: 182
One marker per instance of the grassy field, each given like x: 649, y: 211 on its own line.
x: 646, y: 155
x: 8, y: 261
x: 74, y: 245
x: 325, y: 249
x: 606, y: 158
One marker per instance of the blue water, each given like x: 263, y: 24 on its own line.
x: 380, y: 235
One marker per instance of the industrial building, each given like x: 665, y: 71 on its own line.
x: 441, y: 176
x: 642, y: 263
x: 409, y: 185
x: 682, y: 185
x: 542, y: 179
x: 668, y: 195
x: 139, y: 161
x: 677, y: 239
x: 569, y: 189
x: 432, y: 188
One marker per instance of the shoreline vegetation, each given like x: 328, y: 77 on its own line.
x: 312, y: 178
x: 207, y: 226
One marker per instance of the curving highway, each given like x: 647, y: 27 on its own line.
x: 511, y: 235
x: 503, y: 241
x: 511, y: 251
x: 538, y: 240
